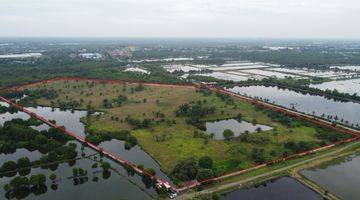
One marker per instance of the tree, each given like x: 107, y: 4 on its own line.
x: 81, y: 171
x: 19, y: 182
x: 206, y: 162
x: 37, y: 180
x: 258, y: 129
x: 53, y: 177
x: 23, y: 162
x: 258, y: 155
x: 7, y: 187
x: 204, y: 174
x: 105, y: 166
x: 228, y: 134
x: 75, y: 172
x: 140, y: 167
x: 150, y: 171
x: 186, y: 170
x: 8, y: 166
x: 52, y: 156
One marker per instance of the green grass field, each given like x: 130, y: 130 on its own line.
x: 178, y: 141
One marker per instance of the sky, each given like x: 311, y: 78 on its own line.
x: 181, y: 18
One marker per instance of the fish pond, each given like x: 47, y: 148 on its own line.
x: 280, y: 189
x: 340, y: 177
x: 343, y: 112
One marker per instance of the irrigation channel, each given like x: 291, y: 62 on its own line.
x: 193, y: 184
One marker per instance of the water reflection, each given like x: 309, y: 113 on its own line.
x: 345, y: 112
x: 119, y: 183
x: 218, y: 127
x: 281, y: 189
x: 351, y: 86
x: 339, y: 177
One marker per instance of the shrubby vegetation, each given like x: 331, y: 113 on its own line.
x: 186, y: 170
x: 194, y: 111
x: 32, y: 95
x: 24, y: 183
x: 283, y: 119
x: 189, y: 169
x: 330, y: 136
x: 4, y: 109
x: 228, y: 134
x: 137, y: 124
x: 17, y: 134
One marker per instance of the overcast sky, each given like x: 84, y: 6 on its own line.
x: 181, y: 18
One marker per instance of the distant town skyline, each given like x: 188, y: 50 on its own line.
x: 181, y: 18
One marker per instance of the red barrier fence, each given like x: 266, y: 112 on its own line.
x: 186, y: 85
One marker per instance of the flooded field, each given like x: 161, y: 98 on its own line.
x: 23, y: 55
x: 304, y: 72
x: 218, y: 127
x: 117, y: 184
x: 184, y: 68
x: 281, y: 189
x: 136, y: 69
x: 226, y: 76
x: 97, y: 185
x: 344, y: 112
x: 349, y: 67
x: 351, y: 86
x: 340, y: 177
x: 238, y: 67
x: 269, y: 73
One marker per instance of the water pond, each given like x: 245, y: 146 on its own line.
x: 281, y: 189
x: 350, y: 86
x: 306, y: 103
x: 218, y: 127
x: 340, y: 177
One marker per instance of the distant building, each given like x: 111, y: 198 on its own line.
x: 95, y: 56
x: 119, y: 53
x: 21, y: 56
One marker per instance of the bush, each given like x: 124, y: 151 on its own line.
x: 150, y: 171
x: 8, y: 166
x: 186, y: 170
x: 53, y: 177
x: 258, y: 155
x: 228, y: 134
x: 206, y: 162
x: 204, y: 174
x: 23, y: 162
x: 105, y: 166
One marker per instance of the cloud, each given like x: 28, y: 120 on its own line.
x: 180, y: 18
